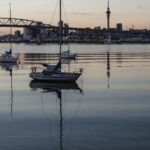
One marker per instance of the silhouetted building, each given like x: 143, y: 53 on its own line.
x: 119, y: 27
x: 27, y: 34
x: 43, y: 34
x: 66, y: 29
x: 17, y: 34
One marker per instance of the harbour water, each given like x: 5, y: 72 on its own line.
x: 108, y: 108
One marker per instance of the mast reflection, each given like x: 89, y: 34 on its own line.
x: 9, y: 68
x: 108, y: 66
x: 56, y: 87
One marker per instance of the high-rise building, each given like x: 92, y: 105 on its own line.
x: 119, y: 27
x: 17, y: 34
x: 27, y: 34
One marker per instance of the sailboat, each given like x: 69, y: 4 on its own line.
x: 55, y: 73
x: 7, y: 56
x: 67, y: 54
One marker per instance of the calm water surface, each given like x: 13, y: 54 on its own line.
x: 108, y: 108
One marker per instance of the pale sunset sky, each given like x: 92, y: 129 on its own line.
x: 82, y: 13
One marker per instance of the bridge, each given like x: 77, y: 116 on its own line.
x: 36, y: 26
x: 25, y: 23
x: 22, y: 23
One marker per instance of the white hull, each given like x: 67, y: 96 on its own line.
x: 57, y: 77
x: 8, y: 59
x: 68, y: 55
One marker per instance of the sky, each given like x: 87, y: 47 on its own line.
x: 82, y: 13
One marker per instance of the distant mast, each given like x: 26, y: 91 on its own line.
x: 10, y: 28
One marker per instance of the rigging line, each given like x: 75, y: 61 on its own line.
x: 54, y: 12
x: 47, y: 116
x: 65, y: 12
x: 79, y: 102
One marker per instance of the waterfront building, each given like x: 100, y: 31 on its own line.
x: 17, y: 34
x: 27, y: 34
x: 119, y: 26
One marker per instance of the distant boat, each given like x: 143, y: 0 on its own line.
x: 55, y: 73
x: 67, y: 54
x: 7, y: 56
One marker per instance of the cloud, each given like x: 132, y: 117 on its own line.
x: 139, y: 7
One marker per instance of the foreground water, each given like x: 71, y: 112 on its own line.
x: 108, y: 108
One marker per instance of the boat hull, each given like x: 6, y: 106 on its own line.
x: 9, y: 59
x: 56, y: 77
x: 68, y: 56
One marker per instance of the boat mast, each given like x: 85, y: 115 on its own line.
x: 10, y: 29
x: 60, y: 31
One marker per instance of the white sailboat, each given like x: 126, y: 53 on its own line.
x: 7, y: 56
x: 55, y: 73
x: 67, y: 54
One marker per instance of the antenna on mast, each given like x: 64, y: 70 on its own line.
x: 10, y: 15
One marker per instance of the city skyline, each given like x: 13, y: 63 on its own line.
x: 133, y: 13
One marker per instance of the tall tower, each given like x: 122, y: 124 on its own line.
x: 108, y: 12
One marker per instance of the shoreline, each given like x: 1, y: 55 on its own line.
x: 73, y: 42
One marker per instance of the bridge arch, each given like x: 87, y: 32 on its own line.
x: 23, y: 23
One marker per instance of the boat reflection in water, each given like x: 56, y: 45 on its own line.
x: 9, y: 68
x: 108, y: 65
x: 56, y: 87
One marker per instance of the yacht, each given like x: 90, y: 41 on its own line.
x: 7, y: 56
x: 67, y: 54
x: 55, y: 73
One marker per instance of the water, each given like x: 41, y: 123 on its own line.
x: 109, y: 108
